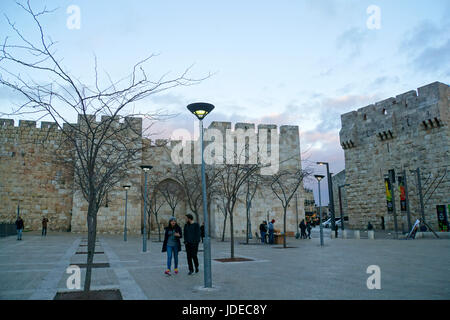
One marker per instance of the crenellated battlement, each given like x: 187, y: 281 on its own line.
x: 134, y: 122
x: 425, y: 109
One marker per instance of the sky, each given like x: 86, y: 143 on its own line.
x: 276, y: 62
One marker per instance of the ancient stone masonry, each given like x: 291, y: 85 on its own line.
x: 32, y: 174
x: 407, y: 132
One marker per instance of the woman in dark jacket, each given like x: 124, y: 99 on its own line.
x: 172, y: 244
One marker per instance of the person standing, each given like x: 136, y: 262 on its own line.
x: 263, y: 231
x: 19, y: 227
x: 303, y: 229
x: 271, y: 230
x: 44, y: 226
x: 308, y: 228
x: 172, y: 244
x: 202, y: 231
x: 191, y: 241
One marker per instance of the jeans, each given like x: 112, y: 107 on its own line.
x: 271, y: 237
x: 191, y: 253
x: 172, y: 251
x: 263, y: 237
x: 44, y: 231
x: 19, y: 234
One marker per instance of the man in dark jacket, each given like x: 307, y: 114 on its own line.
x: 19, y: 227
x: 44, y: 226
x: 303, y: 229
x: 202, y: 231
x: 263, y: 230
x: 191, y: 241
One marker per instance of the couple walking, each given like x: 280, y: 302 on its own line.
x: 172, y: 243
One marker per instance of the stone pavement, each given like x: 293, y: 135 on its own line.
x: 34, y: 268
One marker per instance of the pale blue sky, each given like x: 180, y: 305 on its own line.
x: 285, y: 62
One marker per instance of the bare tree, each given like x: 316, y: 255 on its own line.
x: 252, y: 185
x: 284, y: 185
x: 172, y: 193
x: 232, y: 178
x: 104, y: 152
x: 190, y: 178
x: 155, y: 202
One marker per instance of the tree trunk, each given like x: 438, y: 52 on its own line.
x: 232, y: 235
x: 148, y: 225
x: 246, y: 237
x: 159, y: 228
x: 196, y: 216
x: 92, y: 233
x: 284, y: 227
x: 224, y: 226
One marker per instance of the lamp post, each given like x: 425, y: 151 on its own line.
x: 146, y: 169
x: 320, y: 177
x: 330, y: 194
x: 201, y: 110
x: 126, y: 187
x: 340, y: 203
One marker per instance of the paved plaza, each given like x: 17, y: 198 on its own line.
x: 34, y: 268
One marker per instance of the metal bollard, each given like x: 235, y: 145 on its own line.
x: 357, y: 235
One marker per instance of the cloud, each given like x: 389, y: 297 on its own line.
x: 434, y: 59
x: 352, y: 40
x: 383, y: 80
x: 427, y: 47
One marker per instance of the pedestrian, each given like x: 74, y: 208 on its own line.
x: 191, y: 241
x: 44, y: 226
x: 308, y: 228
x: 271, y: 230
x: 336, y: 227
x: 172, y: 244
x: 202, y: 230
x: 263, y: 231
x: 369, y: 226
x: 303, y: 229
x: 19, y: 227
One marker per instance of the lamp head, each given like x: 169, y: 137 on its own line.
x: 146, y: 167
x: 126, y: 187
x: 319, y: 177
x: 200, y: 109
x: 321, y: 163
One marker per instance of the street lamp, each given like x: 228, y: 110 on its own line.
x: 201, y: 110
x: 330, y: 194
x: 146, y: 169
x: 320, y: 177
x: 126, y: 187
x: 340, y: 204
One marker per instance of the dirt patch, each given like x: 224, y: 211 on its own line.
x: 94, y: 265
x: 236, y: 259
x: 91, y: 295
x: 98, y: 252
x: 288, y: 247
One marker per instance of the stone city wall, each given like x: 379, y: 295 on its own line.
x: 407, y: 132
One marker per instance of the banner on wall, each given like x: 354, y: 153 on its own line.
x: 401, y: 188
x: 442, y: 218
x: 387, y: 185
